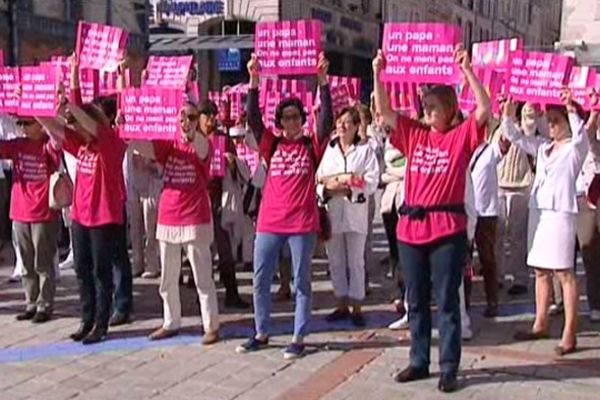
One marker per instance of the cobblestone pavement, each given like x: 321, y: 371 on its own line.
x: 39, y: 362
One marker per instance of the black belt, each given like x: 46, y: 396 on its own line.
x: 420, y: 212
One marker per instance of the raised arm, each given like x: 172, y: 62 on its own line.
x: 484, y: 109
x: 382, y: 100
x: 325, y: 118
x: 53, y: 126
x: 591, y: 125
x: 255, y: 121
x: 86, y: 122
x: 529, y: 144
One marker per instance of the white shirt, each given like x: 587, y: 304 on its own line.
x: 349, y: 215
x: 484, y: 175
x: 591, y: 166
x: 554, y: 186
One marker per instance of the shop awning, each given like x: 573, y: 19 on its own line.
x: 172, y: 43
x: 175, y: 43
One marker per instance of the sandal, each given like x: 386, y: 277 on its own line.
x: 563, y: 351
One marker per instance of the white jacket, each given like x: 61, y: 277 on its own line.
x: 349, y: 215
x: 554, y: 186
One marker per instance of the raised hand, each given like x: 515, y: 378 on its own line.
x: 461, y: 57
x: 378, y: 63
x: 322, y: 68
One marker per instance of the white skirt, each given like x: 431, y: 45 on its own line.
x: 551, y: 239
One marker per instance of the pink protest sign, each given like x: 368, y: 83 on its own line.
x: 403, y: 97
x: 249, y: 156
x: 108, y: 82
x: 236, y: 105
x: 582, y: 79
x: 495, y: 54
x: 288, y: 47
x: 38, y: 91
x: 100, y: 46
x: 285, y: 87
x: 9, y: 82
x: 492, y: 80
x: 89, y: 80
x: 168, y: 71
x: 538, y: 77
x: 272, y: 100
x: 217, y: 161
x: 340, y: 98
x: 352, y: 82
x: 421, y: 52
x: 150, y: 113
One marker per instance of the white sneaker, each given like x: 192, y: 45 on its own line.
x: 399, y: 325
x: 595, y: 316
x: 68, y: 263
x: 466, y: 333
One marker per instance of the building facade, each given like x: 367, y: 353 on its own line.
x: 43, y: 28
x: 536, y: 21
x: 580, y: 33
x: 351, y: 32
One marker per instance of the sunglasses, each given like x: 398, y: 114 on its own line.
x: 25, y: 123
x: 190, y: 117
x: 293, y: 117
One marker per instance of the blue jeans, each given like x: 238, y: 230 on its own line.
x: 267, y: 247
x: 443, y: 263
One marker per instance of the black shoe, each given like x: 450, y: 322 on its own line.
x: 410, y: 374
x: 41, y: 317
x: 517, y: 290
x: 95, y: 336
x: 81, y: 332
x: 448, y: 382
x: 119, y: 319
x: 26, y: 315
x: 358, y: 320
x: 337, y: 315
x: 490, y: 311
x: 236, y: 302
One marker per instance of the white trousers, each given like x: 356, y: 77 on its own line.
x: 198, y: 252
x: 142, y: 212
x: 346, y: 253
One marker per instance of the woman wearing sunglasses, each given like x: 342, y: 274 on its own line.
x: 35, y: 224
x: 184, y: 223
x: 288, y: 210
x: 553, y: 209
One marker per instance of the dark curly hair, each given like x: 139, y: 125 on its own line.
x: 289, y: 102
x: 209, y: 108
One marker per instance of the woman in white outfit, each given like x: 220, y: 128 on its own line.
x: 347, y: 176
x: 553, y: 211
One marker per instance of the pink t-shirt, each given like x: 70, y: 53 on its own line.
x: 435, y: 175
x: 99, y: 197
x: 184, y: 199
x: 33, y: 163
x: 289, y: 200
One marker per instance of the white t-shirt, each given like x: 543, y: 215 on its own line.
x: 484, y: 174
x: 591, y: 166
